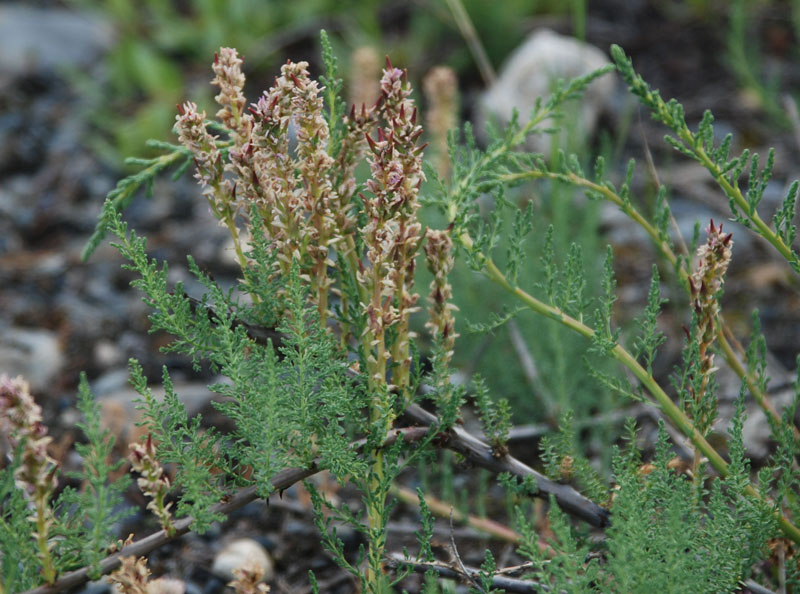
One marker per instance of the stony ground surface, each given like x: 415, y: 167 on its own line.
x: 60, y: 316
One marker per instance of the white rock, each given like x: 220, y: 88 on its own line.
x: 107, y: 353
x: 34, y: 354
x: 166, y: 586
x: 532, y: 71
x: 244, y: 552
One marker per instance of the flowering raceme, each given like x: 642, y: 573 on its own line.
x: 152, y: 481
x: 21, y: 421
x: 287, y: 174
x: 278, y: 165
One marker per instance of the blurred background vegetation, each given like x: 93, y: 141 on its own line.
x: 163, y: 48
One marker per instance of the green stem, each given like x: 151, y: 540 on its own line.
x: 694, y: 146
x: 608, y: 194
x: 663, y: 246
x: 470, y: 181
x: 163, y: 514
x: 377, y: 528
x: 476, y: 48
x: 42, y: 510
x: 733, y: 192
x: 227, y: 216
x: 678, y: 418
x: 374, y: 344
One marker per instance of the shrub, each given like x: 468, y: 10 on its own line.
x: 330, y: 262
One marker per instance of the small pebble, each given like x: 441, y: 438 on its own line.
x: 36, y: 355
x: 240, y: 553
x: 166, y: 586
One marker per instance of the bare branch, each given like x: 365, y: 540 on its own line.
x: 456, y: 439
x: 281, y: 481
x: 480, y: 454
x: 498, y: 581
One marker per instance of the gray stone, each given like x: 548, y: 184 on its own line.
x: 42, y: 39
x: 531, y: 73
x: 37, y: 355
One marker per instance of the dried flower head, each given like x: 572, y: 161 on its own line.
x: 295, y: 193
x: 365, y: 69
x: 230, y: 80
x: 20, y: 413
x: 193, y: 134
x: 21, y: 421
x: 131, y: 576
x: 706, y: 282
x: 441, y: 91
x: 438, y: 251
x: 152, y: 481
x: 248, y: 580
x: 392, y: 230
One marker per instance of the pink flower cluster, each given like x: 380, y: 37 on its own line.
x: 279, y: 164
x: 152, y: 481
x: 439, y: 253
x: 21, y: 421
x: 705, y: 283
x: 392, y: 230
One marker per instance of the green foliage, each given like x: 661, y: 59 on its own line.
x: 333, y: 94
x: 605, y: 338
x: 119, y: 198
x: 488, y: 569
x: 495, y: 322
x: 725, y: 170
x: 556, y: 383
x: 757, y: 354
x: 523, y: 224
x: 278, y: 399
x: 85, y: 519
x: 90, y: 515
x: 666, y: 534
x: 570, y: 567
x: 425, y: 534
x: 495, y: 417
x: 448, y: 398
x: 692, y: 543
x: 20, y: 569
x: 184, y: 443
x: 650, y: 337
x: 695, y: 382
x: 563, y: 461
x: 333, y: 274
x: 782, y: 220
x: 481, y: 171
